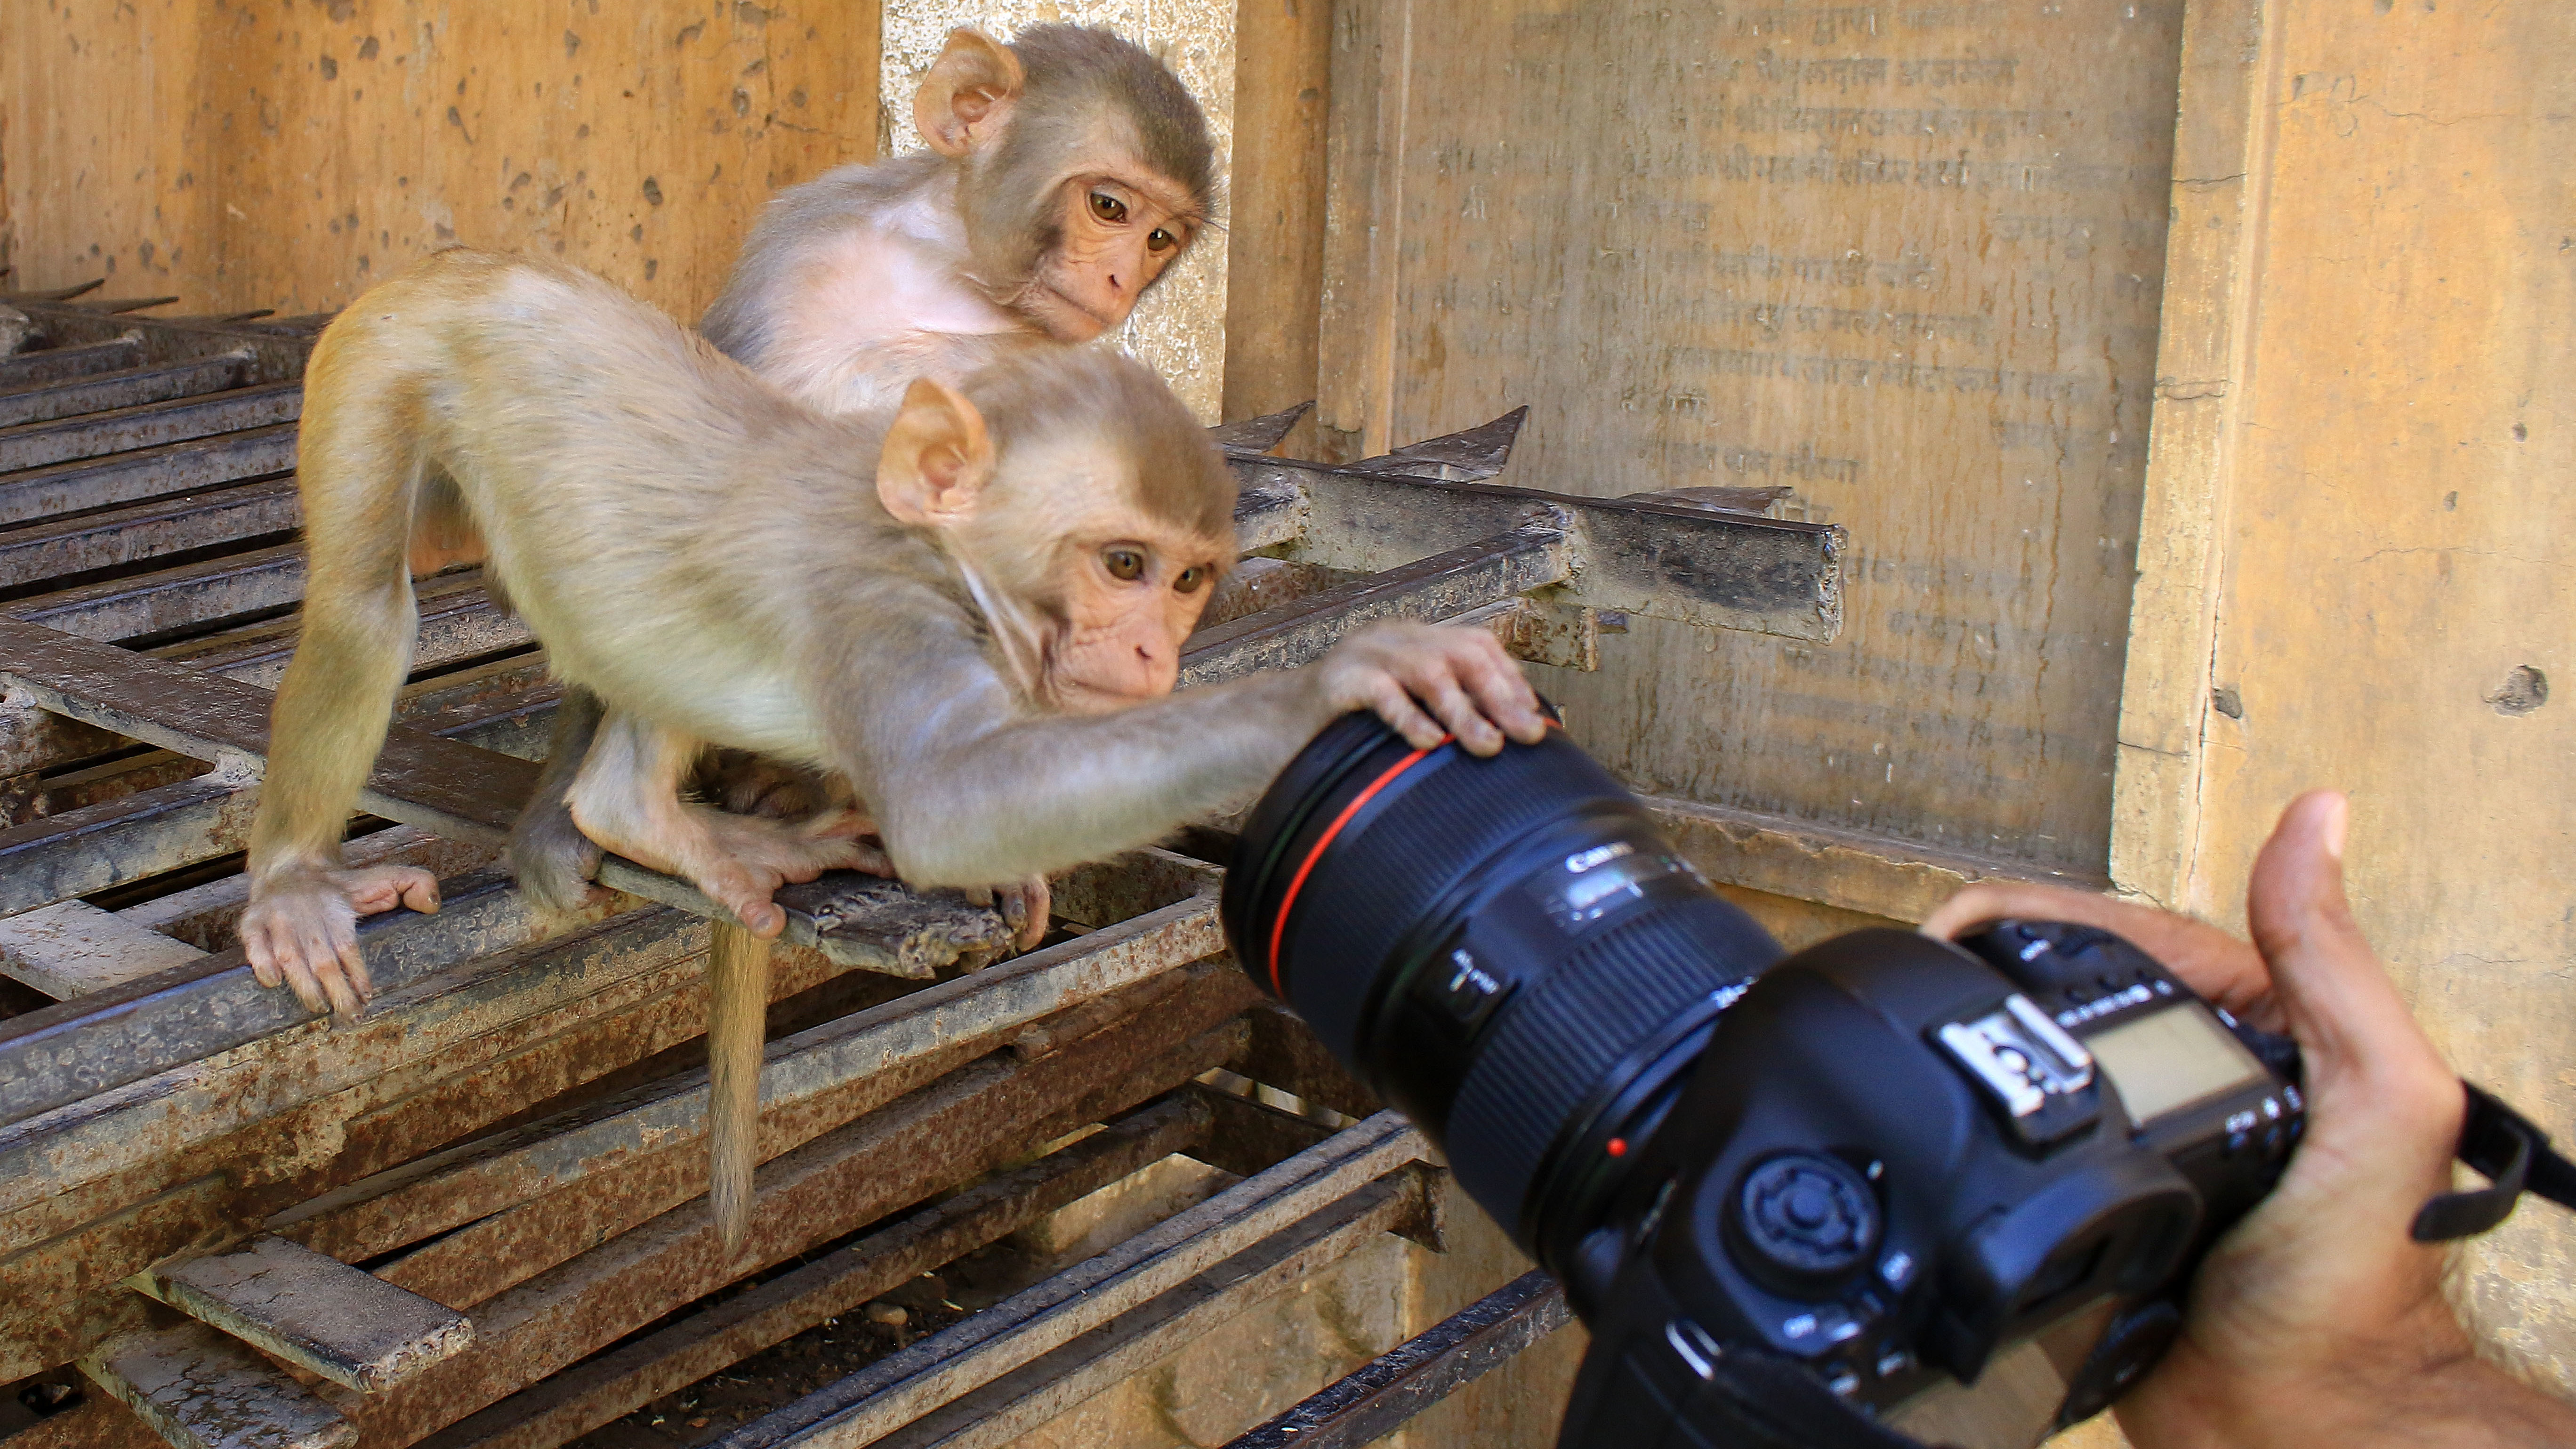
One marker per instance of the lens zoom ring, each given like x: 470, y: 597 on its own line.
x: 1556, y: 1041
x: 1360, y: 900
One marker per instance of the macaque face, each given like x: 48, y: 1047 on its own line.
x: 1115, y: 233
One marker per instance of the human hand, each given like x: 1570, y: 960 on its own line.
x: 2317, y: 1320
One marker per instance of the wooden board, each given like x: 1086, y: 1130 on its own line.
x: 267, y: 155
x: 2384, y: 536
x: 1902, y: 257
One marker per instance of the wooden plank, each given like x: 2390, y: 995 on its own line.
x: 1368, y: 98
x: 1275, y: 205
x: 349, y: 1326
x: 1903, y: 261
x: 905, y: 1385
x: 1370, y: 1404
x: 592, y: 1393
x: 201, y: 1390
x: 72, y: 948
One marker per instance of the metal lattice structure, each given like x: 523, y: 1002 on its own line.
x: 500, y: 1172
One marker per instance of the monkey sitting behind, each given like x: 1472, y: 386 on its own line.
x: 1066, y: 172
x: 703, y: 554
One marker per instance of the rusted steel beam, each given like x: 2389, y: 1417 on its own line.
x: 458, y: 621
x: 1374, y: 1401
x: 56, y: 363
x: 146, y: 473
x: 147, y: 530
x: 1530, y: 556
x: 998, y: 1413
x: 858, y: 919
x: 83, y: 851
x: 281, y: 349
x: 1286, y: 1054
x: 1631, y: 555
x: 1469, y: 455
x: 132, y: 387
x: 969, y: 1122
x: 480, y: 1179
x: 904, y: 1386
x: 1255, y: 436
x: 1244, y: 1137
x: 582, y: 1398
x: 318, y: 1313
x: 146, y: 425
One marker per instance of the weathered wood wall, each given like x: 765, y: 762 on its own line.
x: 2366, y: 560
x: 1900, y: 257
x: 256, y: 153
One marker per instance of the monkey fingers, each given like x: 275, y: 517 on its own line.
x: 301, y: 932
x: 740, y: 860
x: 1464, y: 683
x: 1023, y: 908
x: 377, y: 889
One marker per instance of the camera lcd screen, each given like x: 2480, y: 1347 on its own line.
x: 2172, y: 1058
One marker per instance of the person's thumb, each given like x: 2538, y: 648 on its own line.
x: 2377, y: 1089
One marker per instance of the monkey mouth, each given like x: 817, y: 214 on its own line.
x: 1099, y: 323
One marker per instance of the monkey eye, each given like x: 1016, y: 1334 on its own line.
x: 1160, y: 240
x: 1107, y: 207
x: 1124, y: 564
x: 1190, y: 579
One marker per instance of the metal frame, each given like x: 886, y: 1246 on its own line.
x: 147, y: 583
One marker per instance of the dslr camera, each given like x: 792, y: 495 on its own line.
x: 1884, y: 1187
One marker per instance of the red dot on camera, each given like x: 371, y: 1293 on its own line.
x: 1618, y: 1146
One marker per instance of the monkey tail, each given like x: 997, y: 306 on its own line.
x: 737, y: 1027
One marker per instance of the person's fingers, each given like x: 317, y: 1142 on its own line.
x: 2213, y: 963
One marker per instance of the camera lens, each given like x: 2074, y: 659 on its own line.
x: 1505, y: 948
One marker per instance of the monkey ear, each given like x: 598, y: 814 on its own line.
x: 966, y: 98
x: 937, y: 458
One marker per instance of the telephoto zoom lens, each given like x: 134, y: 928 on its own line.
x: 1506, y: 948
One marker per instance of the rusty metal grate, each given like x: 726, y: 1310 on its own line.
x: 514, y: 1130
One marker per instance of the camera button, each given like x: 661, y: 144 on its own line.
x: 1803, y: 1220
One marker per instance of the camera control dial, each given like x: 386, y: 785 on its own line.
x: 1802, y: 1221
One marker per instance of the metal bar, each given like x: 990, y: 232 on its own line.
x: 1259, y: 435
x: 1712, y: 569
x: 147, y: 530
x: 92, y: 435
x: 580, y: 1399
x: 130, y: 388
x: 1420, y: 1372
x: 1469, y: 455
x: 184, y: 597
x: 146, y: 473
x: 970, y: 1122
x: 479, y: 1179
x: 1488, y: 570
x: 281, y: 350
x: 81, y: 852
x: 998, y: 1413
x: 54, y: 364
x: 903, y: 1386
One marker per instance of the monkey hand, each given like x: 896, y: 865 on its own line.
x: 300, y: 929
x: 1426, y: 681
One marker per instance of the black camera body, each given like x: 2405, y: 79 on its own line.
x: 1858, y: 1172
x: 1897, y: 1156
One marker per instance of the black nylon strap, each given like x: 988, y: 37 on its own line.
x: 2513, y: 1155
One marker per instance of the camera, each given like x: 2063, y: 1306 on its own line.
x: 1801, y: 1200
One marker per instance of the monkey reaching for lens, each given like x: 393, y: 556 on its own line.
x: 956, y: 642
x: 1067, y: 171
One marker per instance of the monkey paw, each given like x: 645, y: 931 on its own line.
x: 1023, y: 907
x: 554, y: 861
x: 744, y: 859
x: 300, y: 929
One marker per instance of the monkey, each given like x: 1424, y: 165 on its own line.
x: 969, y: 608
x: 1066, y: 172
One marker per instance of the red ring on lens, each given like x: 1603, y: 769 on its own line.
x: 1279, y: 921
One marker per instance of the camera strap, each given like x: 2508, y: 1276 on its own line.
x: 2513, y: 1155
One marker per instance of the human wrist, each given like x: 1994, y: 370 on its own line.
x: 2433, y: 1394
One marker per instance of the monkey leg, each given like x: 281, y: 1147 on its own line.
x: 626, y: 798
x: 554, y: 861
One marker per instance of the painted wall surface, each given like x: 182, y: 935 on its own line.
x: 2375, y: 425
x: 1179, y: 329
x: 257, y: 153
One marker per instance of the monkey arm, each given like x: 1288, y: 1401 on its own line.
x: 975, y: 791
